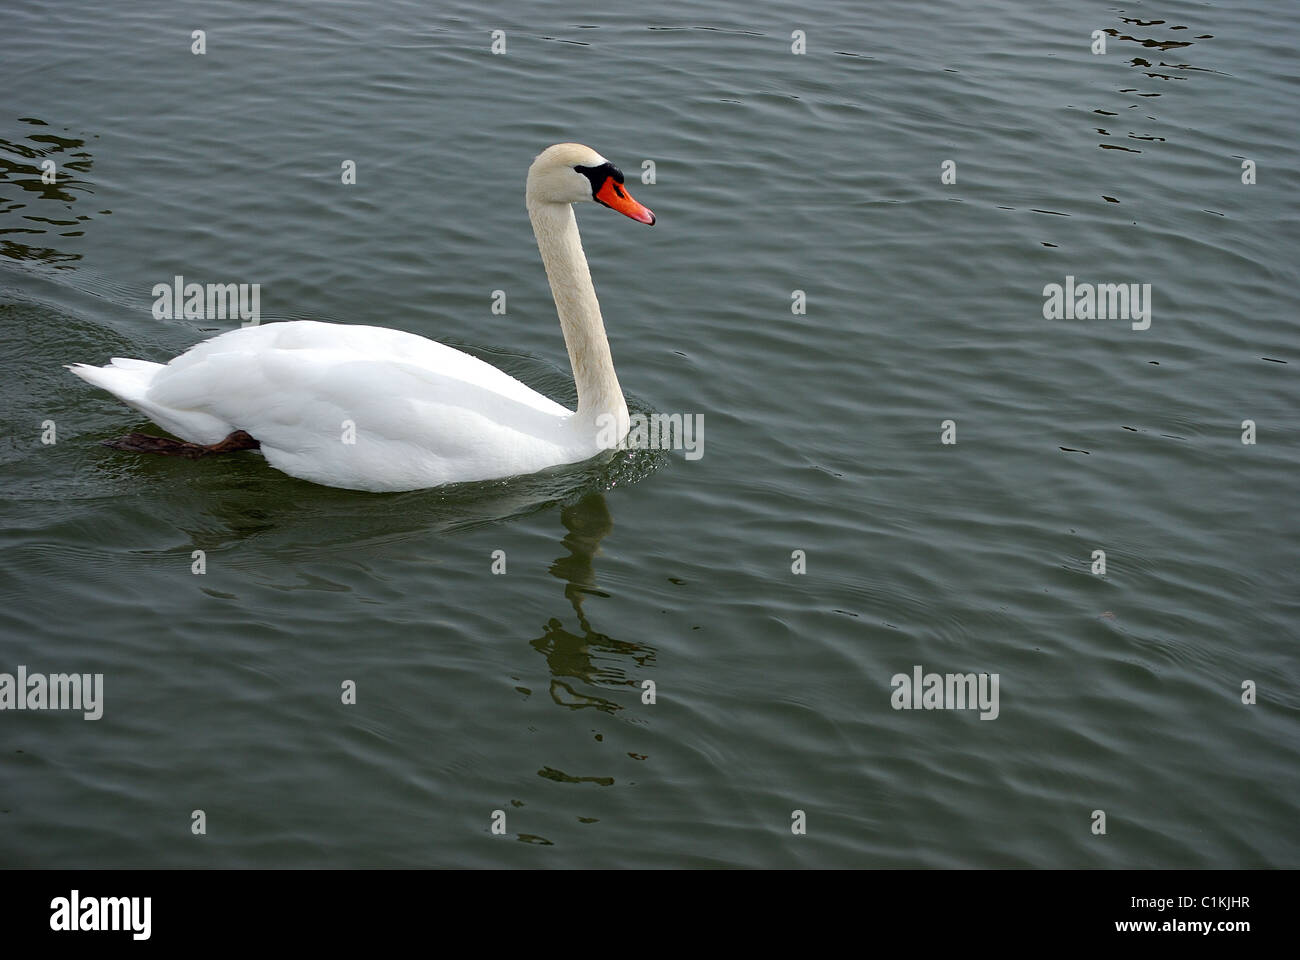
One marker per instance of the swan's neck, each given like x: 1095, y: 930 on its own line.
x: 599, y: 395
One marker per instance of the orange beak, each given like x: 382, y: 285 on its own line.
x: 615, y: 196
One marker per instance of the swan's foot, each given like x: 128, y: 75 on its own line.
x: 144, y: 443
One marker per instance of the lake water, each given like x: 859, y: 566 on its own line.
x: 775, y: 172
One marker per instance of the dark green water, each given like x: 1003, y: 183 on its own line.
x: 776, y: 172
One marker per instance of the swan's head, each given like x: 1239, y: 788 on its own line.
x: 572, y: 173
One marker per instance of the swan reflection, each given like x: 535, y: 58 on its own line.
x: 585, y: 657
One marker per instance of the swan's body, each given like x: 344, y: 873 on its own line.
x: 421, y: 413
x: 370, y: 408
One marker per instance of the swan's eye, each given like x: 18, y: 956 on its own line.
x: 599, y: 174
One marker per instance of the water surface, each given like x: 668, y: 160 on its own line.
x: 775, y: 173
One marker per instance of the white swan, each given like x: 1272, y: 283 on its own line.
x: 422, y: 413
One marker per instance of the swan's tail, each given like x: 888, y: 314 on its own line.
x: 130, y: 380
x: 126, y: 379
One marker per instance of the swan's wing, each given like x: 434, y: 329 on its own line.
x: 358, y: 343
x: 364, y: 407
